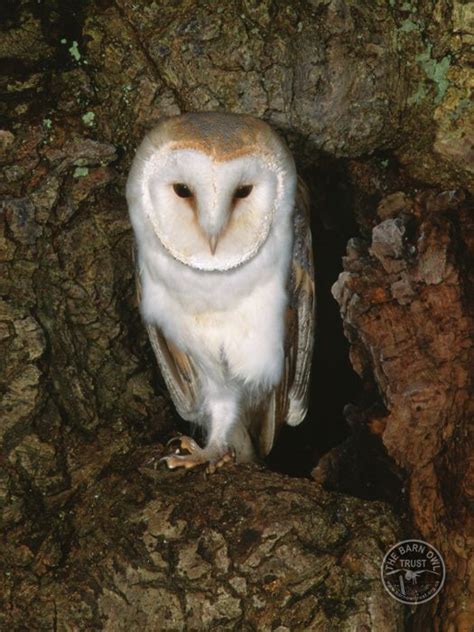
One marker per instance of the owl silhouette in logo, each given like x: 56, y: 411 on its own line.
x: 225, y: 274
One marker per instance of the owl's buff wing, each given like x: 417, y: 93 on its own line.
x: 289, y: 401
x: 177, y: 368
x: 303, y: 303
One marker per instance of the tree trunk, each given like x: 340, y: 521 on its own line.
x: 373, y: 99
x: 403, y: 300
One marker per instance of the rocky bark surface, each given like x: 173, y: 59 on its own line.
x: 403, y: 297
x: 140, y: 549
x: 373, y: 98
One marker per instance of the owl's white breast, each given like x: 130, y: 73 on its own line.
x: 231, y: 323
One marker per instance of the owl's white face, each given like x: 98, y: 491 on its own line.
x: 210, y: 187
x: 207, y: 214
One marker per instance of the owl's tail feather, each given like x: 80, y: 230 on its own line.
x: 239, y: 439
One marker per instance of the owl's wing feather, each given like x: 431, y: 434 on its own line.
x: 178, y: 372
x: 289, y: 401
x: 303, y: 301
x: 177, y: 368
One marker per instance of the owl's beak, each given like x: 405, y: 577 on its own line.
x: 213, y: 243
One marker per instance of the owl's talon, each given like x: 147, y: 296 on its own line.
x: 184, y: 443
x: 172, y: 441
x: 196, y: 456
x: 164, y: 459
x: 187, y: 461
x: 216, y: 464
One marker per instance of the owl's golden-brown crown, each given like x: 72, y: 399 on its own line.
x: 222, y: 135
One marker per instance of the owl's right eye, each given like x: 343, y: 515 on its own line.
x: 182, y: 190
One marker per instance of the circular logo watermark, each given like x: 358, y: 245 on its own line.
x: 413, y: 571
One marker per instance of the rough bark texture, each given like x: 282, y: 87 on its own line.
x: 91, y: 541
x: 403, y: 301
x: 253, y: 550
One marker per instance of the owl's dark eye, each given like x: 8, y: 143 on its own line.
x: 182, y: 190
x: 243, y: 191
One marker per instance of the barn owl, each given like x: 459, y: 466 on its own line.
x: 225, y: 276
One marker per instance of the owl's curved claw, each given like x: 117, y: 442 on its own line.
x: 187, y: 461
x: 183, y: 442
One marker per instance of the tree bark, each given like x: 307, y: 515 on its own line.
x: 403, y: 299
x: 139, y: 549
x: 376, y: 90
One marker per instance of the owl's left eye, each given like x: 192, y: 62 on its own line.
x: 243, y: 191
x: 182, y: 190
